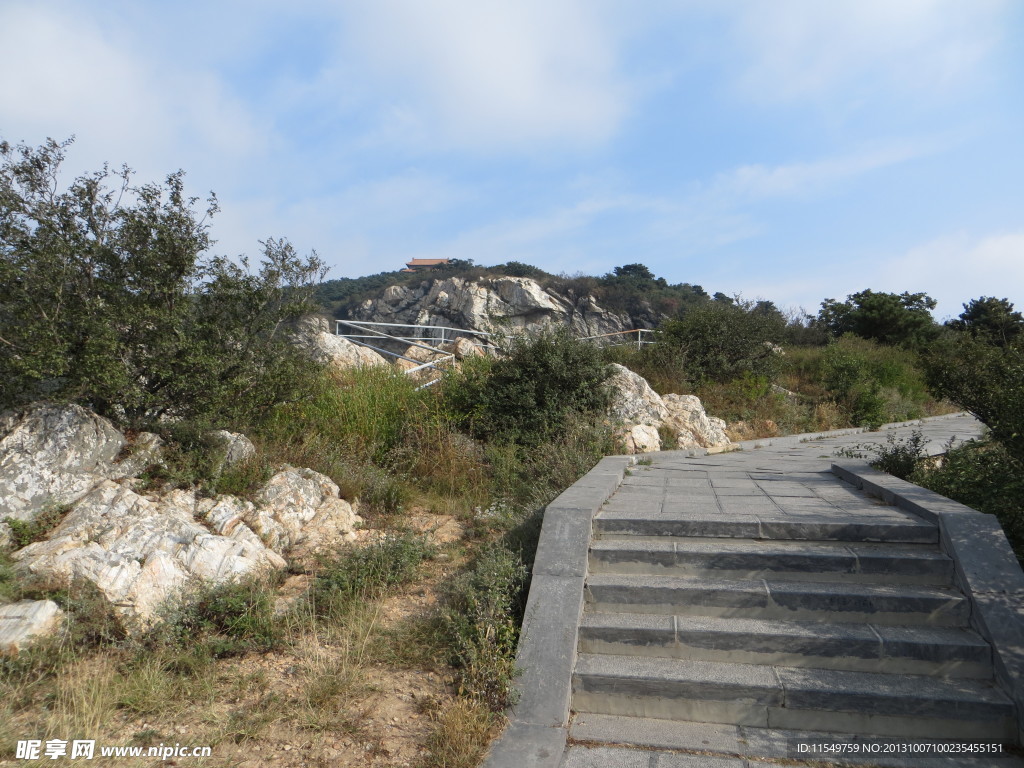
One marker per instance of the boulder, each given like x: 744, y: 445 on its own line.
x: 301, y: 509
x: 633, y: 400
x: 462, y: 348
x: 25, y: 621
x: 55, y: 454
x: 695, y: 428
x: 639, y: 410
x: 315, y: 336
x: 237, y: 447
x: 641, y: 438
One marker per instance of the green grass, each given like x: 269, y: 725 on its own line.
x: 360, y: 574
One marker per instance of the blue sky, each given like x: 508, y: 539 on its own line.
x: 784, y: 149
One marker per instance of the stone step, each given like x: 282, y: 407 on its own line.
x: 911, y: 706
x: 896, y: 529
x: 713, y: 741
x: 917, y: 650
x: 781, y: 599
x: 750, y: 559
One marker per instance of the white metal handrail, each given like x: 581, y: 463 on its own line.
x: 370, y: 331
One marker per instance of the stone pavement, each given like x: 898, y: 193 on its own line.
x: 737, y: 607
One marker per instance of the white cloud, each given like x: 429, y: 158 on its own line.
x: 499, y: 73
x: 753, y: 182
x: 800, y: 48
x: 70, y: 74
x: 956, y: 268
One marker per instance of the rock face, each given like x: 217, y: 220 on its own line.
x: 25, y: 621
x: 490, y: 304
x: 140, y: 551
x: 55, y: 454
x: 315, y: 336
x: 641, y: 411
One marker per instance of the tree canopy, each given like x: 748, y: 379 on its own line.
x: 885, y: 317
x: 108, y: 297
x: 990, y: 319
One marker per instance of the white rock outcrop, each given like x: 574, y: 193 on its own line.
x: 25, y: 621
x: 491, y: 304
x: 316, y: 338
x: 641, y: 411
x: 140, y: 551
x: 55, y: 454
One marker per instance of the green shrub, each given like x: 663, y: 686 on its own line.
x: 985, y: 476
x: 8, y: 584
x: 363, y: 573
x: 223, y: 620
x: 985, y: 378
x: 25, y: 532
x: 530, y: 393
x: 482, y: 615
x: 723, y: 339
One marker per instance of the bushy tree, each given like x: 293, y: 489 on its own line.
x: 526, y: 395
x: 985, y: 379
x: 885, y: 317
x: 990, y: 319
x: 721, y: 340
x: 108, y: 297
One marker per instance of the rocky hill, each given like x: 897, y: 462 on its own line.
x: 498, y: 303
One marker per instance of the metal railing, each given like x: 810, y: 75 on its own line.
x: 433, y: 337
x: 639, y: 341
x: 415, y: 338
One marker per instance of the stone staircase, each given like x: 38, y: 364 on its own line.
x: 777, y: 602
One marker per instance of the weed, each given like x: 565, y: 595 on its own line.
x: 481, y: 616
x: 901, y: 456
x: 223, y: 620
x: 365, y: 573
x: 460, y: 736
x: 25, y: 532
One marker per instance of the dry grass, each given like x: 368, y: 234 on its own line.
x: 462, y: 732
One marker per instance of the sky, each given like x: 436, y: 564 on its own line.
x: 791, y: 150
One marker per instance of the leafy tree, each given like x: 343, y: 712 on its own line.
x: 886, y: 317
x: 634, y: 271
x: 990, y: 319
x: 107, y: 297
x: 985, y: 379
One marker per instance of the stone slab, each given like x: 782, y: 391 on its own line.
x: 562, y: 547
x: 526, y: 745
